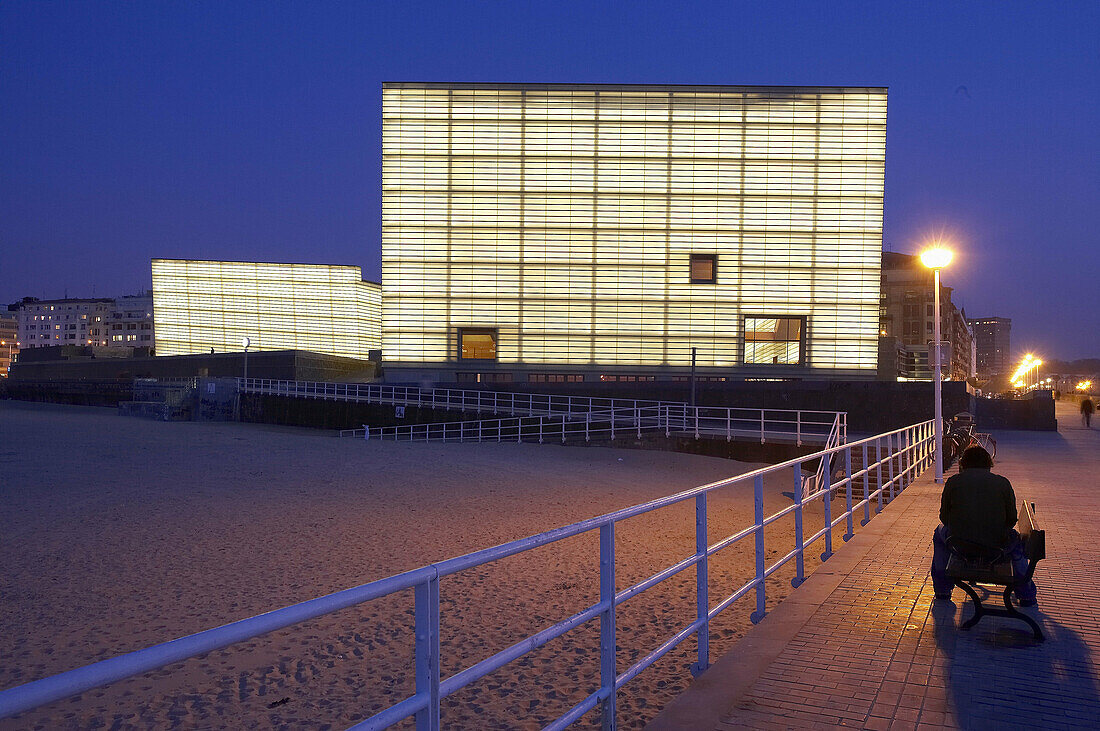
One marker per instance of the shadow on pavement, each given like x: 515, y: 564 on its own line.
x: 997, y: 676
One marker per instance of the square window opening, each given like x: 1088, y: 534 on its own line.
x: 704, y: 268
x: 477, y: 344
x: 774, y: 340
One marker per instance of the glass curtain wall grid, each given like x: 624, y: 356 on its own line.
x: 199, y: 305
x: 580, y: 222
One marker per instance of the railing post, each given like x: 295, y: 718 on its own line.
x: 519, y: 429
x: 827, y: 476
x: 668, y: 430
x: 426, y: 598
x: 799, y: 559
x: 907, y: 462
x: 540, y: 429
x: 878, y: 469
x: 848, y: 493
x: 608, y: 674
x: 929, y: 445
x: 761, y: 426
x: 696, y: 421
x: 587, y: 422
x: 866, y: 488
x: 612, y: 423
x: 890, y: 456
x: 798, y: 427
x: 922, y: 449
x: 758, y: 514
x: 702, y: 597
x: 563, y: 431
x: 729, y: 425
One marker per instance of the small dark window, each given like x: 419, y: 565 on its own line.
x: 463, y: 377
x: 555, y: 377
x: 477, y: 344
x: 704, y: 268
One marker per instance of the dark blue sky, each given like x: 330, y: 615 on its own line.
x: 252, y: 131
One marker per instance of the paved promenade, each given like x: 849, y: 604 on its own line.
x: 863, y: 644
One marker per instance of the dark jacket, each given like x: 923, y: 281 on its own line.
x: 979, y: 506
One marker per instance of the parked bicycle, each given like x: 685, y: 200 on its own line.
x: 960, y: 433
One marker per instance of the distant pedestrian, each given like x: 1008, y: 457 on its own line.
x: 1087, y: 407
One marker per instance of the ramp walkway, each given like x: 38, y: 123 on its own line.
x: 863, y: 643
x: 544, y: 415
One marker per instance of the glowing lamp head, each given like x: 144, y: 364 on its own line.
x: 936, y: 258
x: 245, y: 342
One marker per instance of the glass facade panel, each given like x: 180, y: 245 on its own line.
x: 569, y: 217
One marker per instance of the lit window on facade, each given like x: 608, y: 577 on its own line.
x: 774, y: 341
x: 477, y: 344
x: 571, y: 219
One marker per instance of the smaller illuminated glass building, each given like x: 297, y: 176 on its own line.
x: 199, y: 305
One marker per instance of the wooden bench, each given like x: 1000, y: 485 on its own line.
x: 969, y: 567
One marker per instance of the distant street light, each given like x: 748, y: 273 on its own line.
x: 935, y: 259
x: 246, y: 342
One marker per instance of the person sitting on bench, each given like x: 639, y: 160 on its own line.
x: 978, y: 508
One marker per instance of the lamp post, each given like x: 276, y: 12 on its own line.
x: 246, y: 342
x: 935, y: 259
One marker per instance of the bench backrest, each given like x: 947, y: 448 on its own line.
x: 1035, y: 544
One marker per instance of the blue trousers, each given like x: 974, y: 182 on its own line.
x: 941, y: 553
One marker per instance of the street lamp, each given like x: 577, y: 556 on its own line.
x: 935, y: 259
x: 245, y: 342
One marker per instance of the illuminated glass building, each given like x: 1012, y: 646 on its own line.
x: 199, y: 305
x: 552, y: 232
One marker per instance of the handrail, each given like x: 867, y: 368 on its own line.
x: 909, y: 448
x: 697, y: 419
x: 710, y: 421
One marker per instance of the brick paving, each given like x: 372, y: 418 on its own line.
x: 870, y: 648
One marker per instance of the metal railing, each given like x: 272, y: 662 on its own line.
x: 452, y: 399
x: 677, y: 417
x: 819, y: 480
x: 824, y: 427
x: 609, y: 422
x: 901, y: 454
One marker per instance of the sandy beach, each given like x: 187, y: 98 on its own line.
x: 120, y: 533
